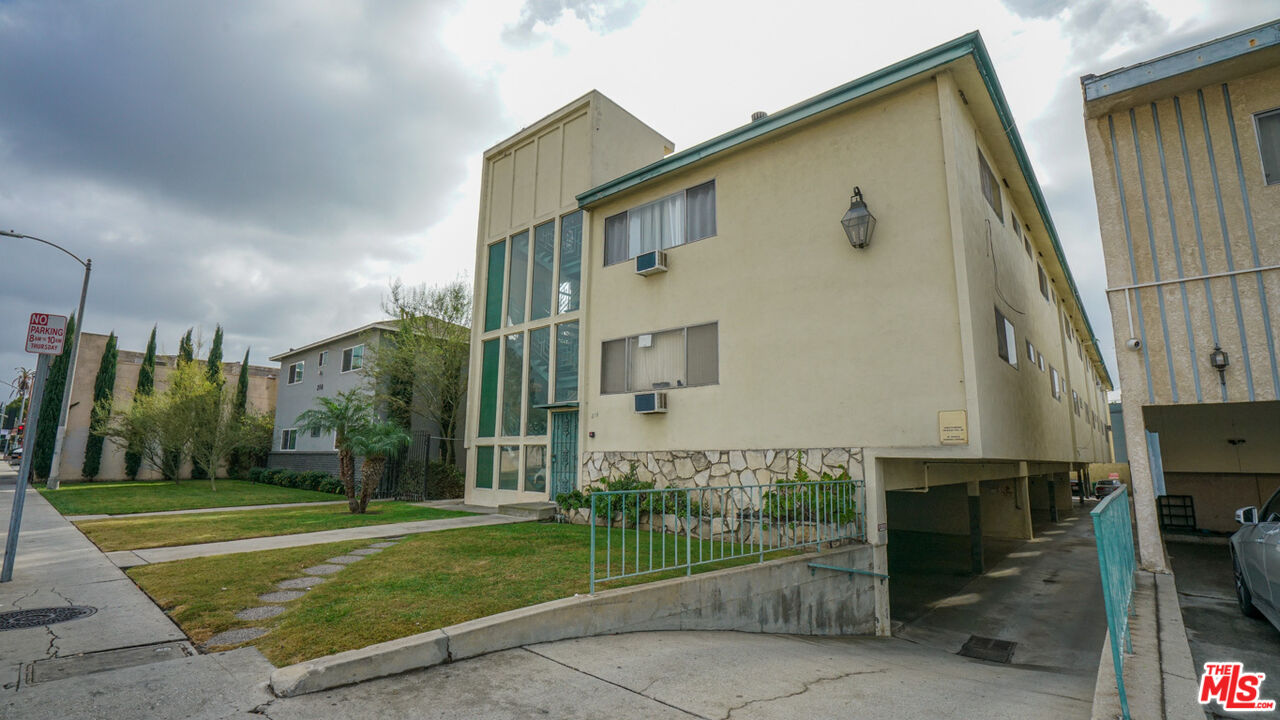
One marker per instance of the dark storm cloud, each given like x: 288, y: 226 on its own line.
x: 247, y: 163
x: 602, y: 16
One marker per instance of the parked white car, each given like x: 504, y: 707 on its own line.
x: 1255, y: 557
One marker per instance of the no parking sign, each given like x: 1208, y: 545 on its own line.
x: 46, y: 333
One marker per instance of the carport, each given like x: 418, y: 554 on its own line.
x: 948, y: 522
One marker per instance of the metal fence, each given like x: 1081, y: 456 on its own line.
x: 637, y: 532
x: 423, y: 448
x: 1113, y: 532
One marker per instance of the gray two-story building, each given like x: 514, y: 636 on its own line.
x: 319, y: 369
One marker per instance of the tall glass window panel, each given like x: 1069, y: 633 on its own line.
x: 570, y: 261
x: 703, y: 349
x: 519, y: 278
x: 509, y: 468
x: 493, y: 287
x: 701, y: 203
x: 656, y: 361
x: 544, y: 251
x: 512, y: 398
x: 484, y: 466
x: 535, y: 468
x: 489, y: 388
x: 567, y: 362
x: 539, y: 380
x: 613, y: 366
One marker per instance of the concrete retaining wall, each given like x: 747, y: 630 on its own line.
x: 779, y: 596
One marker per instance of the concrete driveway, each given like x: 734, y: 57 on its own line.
x: 711, y: 675
x: 1043, y: 594
x: 1216, y: 629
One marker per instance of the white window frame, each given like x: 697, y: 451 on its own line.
x: 715, y: 220
x: 301, y: 367
x: 285, y: 435
x: 994, y: 201
x: 1054, y: 379
x: 352, y: 349
x: 324, y: 355
x: 1257, y: 136
x: 1010, y: 337
x: 626, y: 345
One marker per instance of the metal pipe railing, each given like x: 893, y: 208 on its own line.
x: 657, y: 528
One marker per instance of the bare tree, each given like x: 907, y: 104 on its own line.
x: 422, y: 371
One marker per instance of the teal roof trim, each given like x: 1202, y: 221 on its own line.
x: 969, y: 44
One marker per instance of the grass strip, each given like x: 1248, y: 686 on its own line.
x: 118, y: 498
x: 139, y: 533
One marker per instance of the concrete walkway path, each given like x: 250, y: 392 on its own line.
x: 65, y: 669
x: 196, y: 511
x: 131, y: 558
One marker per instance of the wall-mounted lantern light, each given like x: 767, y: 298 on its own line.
x: 1219, y: 360
x: 858, y: 222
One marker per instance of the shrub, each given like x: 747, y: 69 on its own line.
x: 306, y: 480
x: 445, y: 481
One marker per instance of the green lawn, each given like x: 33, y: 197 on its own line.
x: 425, y: 582
x: 117, y: 498
x: 166, y: 530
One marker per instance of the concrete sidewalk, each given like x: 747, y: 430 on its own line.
x: 43, y: 666
x: 132, y: 558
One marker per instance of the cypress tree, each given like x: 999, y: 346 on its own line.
x: 186, y: 349
x: 51, y: 406
x: 103, y: 391
x: 186, y: 354
x: 238, y: 460
x: 213, y: 370
x: 146, y: 385
x: 214, y: 366
x: 242, y: 386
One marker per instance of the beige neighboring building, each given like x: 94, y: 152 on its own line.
x: 262, y: 398
x: 1186, y: 167
x: 768, y: 335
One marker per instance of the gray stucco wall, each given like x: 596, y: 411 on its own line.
x: 317, y: 381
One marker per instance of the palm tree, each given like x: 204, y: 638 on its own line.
x: 375, y: 442
x: 345, y: 415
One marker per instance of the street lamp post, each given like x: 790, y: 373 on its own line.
x: 75, y: 350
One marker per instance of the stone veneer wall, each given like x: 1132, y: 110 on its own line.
x: 719, y: 468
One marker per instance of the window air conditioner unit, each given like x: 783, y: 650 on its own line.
x: 651, y: 402
x: 651, y: 262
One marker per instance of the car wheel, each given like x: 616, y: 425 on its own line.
x: 1243, y: 596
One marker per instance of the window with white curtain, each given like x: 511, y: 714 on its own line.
x: 677, y: 219
x: 661, y: 361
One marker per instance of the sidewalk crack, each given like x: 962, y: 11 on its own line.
x: 808, y: 685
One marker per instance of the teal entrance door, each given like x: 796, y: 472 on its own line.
x: 564, y: 452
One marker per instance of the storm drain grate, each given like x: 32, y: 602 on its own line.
x: 39, y: 617
x: 985, y: 648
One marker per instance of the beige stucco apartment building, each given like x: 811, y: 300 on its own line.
x: 1186, y: 165
x: 948, y: 364
x: 261, y: 398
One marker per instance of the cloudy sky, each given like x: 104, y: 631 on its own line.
x: 272, y: 165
